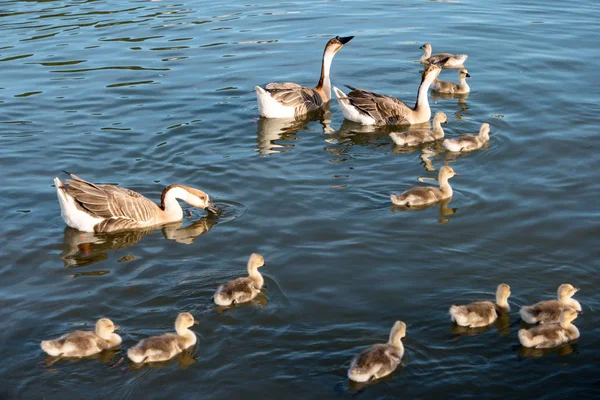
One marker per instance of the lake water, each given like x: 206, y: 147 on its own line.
x: 148, y: 93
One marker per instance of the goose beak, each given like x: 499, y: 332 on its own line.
x: 579, y: 312
x: 468, y: 75
x: 446, y: 121
x: 576, y: 289
x: 345, y: 39
x: 421, y: 47
x: 456, y: 174
x: 117, y: 328
x: 211, y: 208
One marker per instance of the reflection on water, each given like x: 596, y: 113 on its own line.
x: 105, y: 357
x: 86, y: 248
x: 183, y: 361
x: 259, y: 302
x: 563, y: 350
x: 269, y: 131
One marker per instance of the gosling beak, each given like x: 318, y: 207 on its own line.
x: 576, y: 289
x: 345, y: 39
x: 468, y: 75
x: 211, y: 208
x: 456, y: 174
x: 446, y: 121
x: 196, y: 323
x: 117, y: 328
x: 579, y: 313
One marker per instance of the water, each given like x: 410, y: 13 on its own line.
x: 146, y: 94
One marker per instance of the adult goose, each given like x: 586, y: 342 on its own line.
x: 290, y: 100
x: 445, y: 59
x: 370, y: 108
x: 89, y: 207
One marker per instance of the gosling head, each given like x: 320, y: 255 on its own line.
x: 502, y: 294
x: 566, y: 291
x: 335, y: 44
x: 426, y: 48
x: 105, y: 327
x: 567, y: 315
x: 255, y: 261
x: 440, y: 117
x: 463, y: 73
x: 184, y: 320
x: 484, y: 131
x: 397, y: 333
x: 446, y: 172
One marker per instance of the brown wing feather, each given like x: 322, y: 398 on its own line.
x: 381, y: 354
x: 240, y: 285
x: 126, y: 207
x: 303, y: 99
x: 83, y: 340
x: 425, y: 192
x: 385, y: 110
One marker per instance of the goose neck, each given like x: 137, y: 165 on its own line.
x: 324, y: 85
x: 170, y: 205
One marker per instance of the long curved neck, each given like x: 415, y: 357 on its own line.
x: 396, y: 341
x: 169, y: 203
x: 255, y: 276
x: 324, y: 85
x: 422, y: 103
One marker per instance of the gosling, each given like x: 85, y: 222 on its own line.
x: 468, y: 142
x: 548, y: 312
x: 381, y: 359
x: 482, y: 313
x: 414, y: 137
x: 84, y: 343
x: 242, y: 289
x: 447, y: 60
x: 452, y: 88
x: 167, y: 346
x: 425, y: 195
x: 551, y: 335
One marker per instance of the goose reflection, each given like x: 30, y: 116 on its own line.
x: 271, y: 130
x: 86, y: 248
x: 445, y: 211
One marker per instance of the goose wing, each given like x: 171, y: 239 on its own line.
x: 303, y: 99
x: 383, y: 109
x: 438, y: 57
x: 120, y: 207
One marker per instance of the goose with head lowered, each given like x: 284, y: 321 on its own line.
x: 290, y: 100
x: 446, y: 60
x: 370, y: 108
x: 90, y: 207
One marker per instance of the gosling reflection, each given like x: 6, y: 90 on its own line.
x: 532, y: 352
x: 183, y: 360
x: 105, y: 357
x: 428, y: 153
x: 86, y: 248
x: 269, y: 131
x: 444, y: 212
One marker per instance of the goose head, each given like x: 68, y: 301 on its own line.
x: 463, y: 73
x: 255, y: 261
x: 566, y: 291
x: 440, y: 117
x: 446, y: 172
x: 397, y: 333
x: 502, y: 294
x: 194, y: 197
x: 567, y: 315
x: 184, y: 321
x: 105, y: 327
x: 432, y: 71
x: 335, y: 44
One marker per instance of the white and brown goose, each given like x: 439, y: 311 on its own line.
x: 551, y: 335
x: 548, y: 311
x: 425, y: 195
x: 242, y: 289
x: 89, y: 207
x: 370, y: 108
x: 381, y: 359
x: 84, y: 343
x: 453, y: 88
x: 446, y: 60
x: 481, y: 313
x: 290, y: 100
x: 466, y: 143
x: 415, y: 137
x: 167, y: 346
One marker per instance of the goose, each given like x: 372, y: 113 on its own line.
x: 546, y: 312
x: 452, y: 88
x: 424, y: 195
x: 107, y: 208
x: 414, y: 137
x: 242, y: 289
x: 551, y: 335
x: 370, y: 108
x: 290, y: 100
x: 84, y: 343
x: 445, y: 59
x: 167, y: 346
x: 468, y: 142
x: 381, y: 359
x: 481, y: 313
